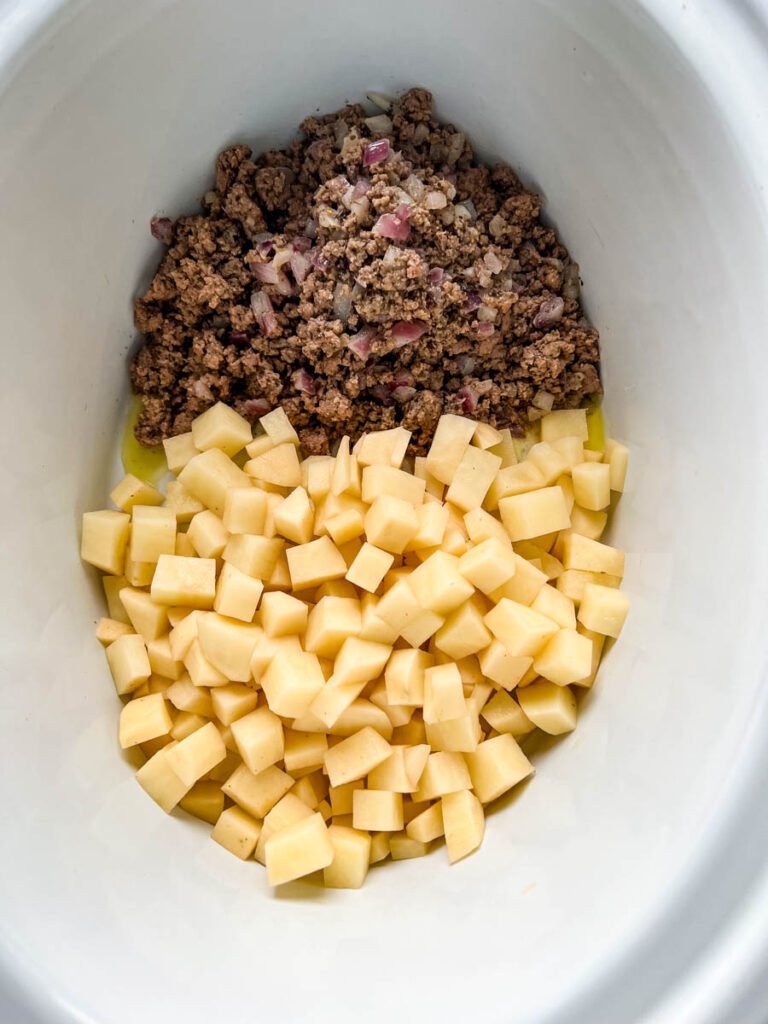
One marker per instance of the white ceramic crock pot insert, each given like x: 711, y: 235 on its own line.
x: 623, y: 883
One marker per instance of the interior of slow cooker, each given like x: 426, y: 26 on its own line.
x: 114, y: 112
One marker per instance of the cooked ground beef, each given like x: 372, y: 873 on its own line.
x: 372, y: 273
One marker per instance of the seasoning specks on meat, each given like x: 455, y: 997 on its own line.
x: 361, y: 288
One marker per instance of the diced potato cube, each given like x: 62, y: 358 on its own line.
x: 463, y: 632
x: 196, y: 755
x: 617, y: 457
x: 237, y: 595
x: 356, y: 756
x: 505, y: 449
x: 496, y: 766
x: 104, y: 540
x: 433, y: 486
x: 588, y: 524
x: 255, y: 556
x: 502, y: 667
x: 286, y: 811
x: 295, y: 516
x: 404, y: 676
x: 592, y: 485
x: 474, y: 475
x: 330, y: 622
x: 387, y: 447
x: 341, y: 796
x: 112, y: 586
x: 128, y: 662
x: 179, y: 451
x: 393, y: 774
x: 351, y: 856
x: 390, y: 522
x: 257, y: 794
x: 486, y: 436
x: 464, y: 824
x: 209, y: 475
x: 304, y: 750
x: 372, y: 627
x: 488, y: 565
x: 232, y: 701
x: 359, y: 661
x: 583, y: 553
x: 316, y: 475
x: 377, y: 810
x: 185, y: 696
x: 260, y: 444
x: 132, y: 491
x: 555, y: 606
x: 185, y: 724
x: 450, y: 441
x: 598, y: 641
x: 150, y: 620
x: 278, y: 428
x: 522, y: 631
x: 108, y: 630
x: 138, y: 574
x: 279, y: 465
x: 536, y: 512
x: 282, y: 614
x: 204, y: 801
x: 345, y: 526
x: 228, y: 645
x: 313, y: 563
x: 603, y: 610
x: 359, y: 715
x: 444, y: 772
x: 245, y: 510
x: 182, y: 634
x: 379, y: 480
x: 419, y: 630
x: 208, y: 534
x: 379, y: 846
x: 403, y: 847
x: 291, y: 682
x: 481, y: 525
x: 573, y: 582
x: 566, y: 658
x: 298, y: 850
x: 427, y: 825
x: 512, y: 481
x: 505, y: 715
x: 399, y: 606
x: 221, y: 427
x: 524, y: 586
x: 369, y: 567
x: 438, y: 585
x: 570, y: 450
x: 144, y: 718
x: 461, y: 734
x: 259, y: 738
x: 565, y: 423
x: 237, y: 832
x: 550, y: 707
x: 184, y: 581
x: 433, y: 521
x: 548, y: 460
x: 183, y: 505
x: 158, y: 779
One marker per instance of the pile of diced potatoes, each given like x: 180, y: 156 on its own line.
x: 332, y: 659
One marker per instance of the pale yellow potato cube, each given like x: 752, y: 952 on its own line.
x: 592, y: 456
x: 486, y: 436
x: 184, y: 546
x: 283, y: 614
x: 185, y: 696
x: 404, y: 676
x: 481, y: 526
x: 237, y: 832
x: 592, y: 485
x: 139, y: 574
x: 403, y: 847
x: 150, y: 620
x: 397, y: 715
x: 513, y: 480
x: 362, y: 714
x: 359, y: 661
x: 298, y: 850
x: 451, y: 439
x: 232, y: 701
x: 267, y: 647
x: 474, y: 475
x: 286, y: 811
x: 279, y: 465
x: 356, y: 756
x: 336, y: 588
x: 245, y: 510
x: 460, y: 735
x: 379, y: 480
x: 179, y: 451
x: 112, y: 586
x: 228, y: 645
x: 438, y: 585
x: 221, y: 427
x: 398, y: 606
x: 432, y: 523
x: 295, y: 516
x: 274, y: 503
x: 209, y: 475
x: 588, y: 524
x: 617, y: 457
x: 372, y: 627
x: 185, y: 724
x: 503, y: 668
x: 488, y: 565
x: 281, y: 577
x: 377, y: 810
x: 413, y: 733
x: 257, y: 794
x: 204, y: 801
x: 344, y: 475
x: 345, y: 526
x: 419, y: 630
x: 570, y: 450
x: 183, y: 505
x: 104, y: 540
x: 196, y: 755
x: 183, y: 633
x: 583, y: 553
x: 316, y: 475
x: 128, y: 662
x: 304, y: 750
x: 341, y: 796
x: 434, y: 488
x: 260, y: 444
x: 144, y: 718
x: 132, y: 491
x: 505, y: 715
x: 548, y: 460
x: 108, y: 630
x: 556, y: 606
x: 598, y: 642
x: 444, y: 772
x: 463, y: 633
x: 237, y: 595
x: 184, y: 581
x: 550, y: 707
x: 291, y: 682
x: 427, y: 825
x: 333, y: 505
x: 463, y: 822
x: 565, y: 423
x: 387, y: 447
x: 522, y: 631
x: 379, y: 846
x: 496, y: 766
x: 390, y: 523
x: 313, y: 563
x: 505, y: 448
x: 158, y: 779
x: 255, y: 556
x: 208, y: 534
x: 259, y: 738
x: 603, y: 610
x: 277, y: 427
x: 573, y: 582
x: 536, y: 512
x: 330, y: 622
x: 369, y: 567
x: 351, y: 856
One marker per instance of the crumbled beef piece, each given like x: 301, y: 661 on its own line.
x: 396, y: 300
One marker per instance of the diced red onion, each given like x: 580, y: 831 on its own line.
x: 472, y: 301
x: 465, y: 365
x: 543, y: 400
x: 360, y: 208
x: 455, y: 147
x: 393, y: 225
x: 281, y: 257
x: 238, y: 338
x: 468, y: 400
x: 449, y: 173
x: 448, y: 215
x: 299, y: 266
x: 375, y: 152
x: 201, y: 390
x: 382, y: 394
x: 304, y: 381
x: 435, y: 201
x: 162, y: 229
x: 255, y: 406
x: 571, y: 281
x: 392, y: 255
x: 405, y: 331
x: 264, y: 313
x: 486, y: 330
x: 420, y: 133
x: 403, y: 212
x: 482, y: 387
x: 362, y: 342
x: 486, y: 313
x: 310, y: 228
x: 550, y: 311
x: 466, y: 208
x: 497, y: 225
x: 301, y: 243
x: 512, y: 286
x: 264, y: 272
x: 404, y: 379
x: 436, y: 276
x: 319, y: 260
x: 284, y: 285
x: 414, y: 187
x: 342, y: 301
x: 380, y: 124
x: 362, y: 185
x: 403, y: 393
x: 492, y: 262
x: 265, y: 243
